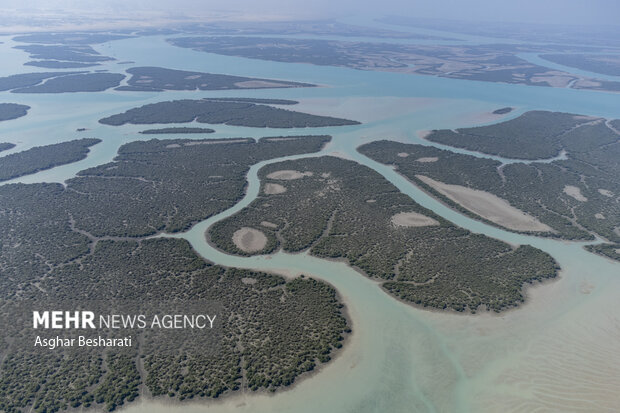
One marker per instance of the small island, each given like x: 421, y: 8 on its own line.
x: 10, y: 111
x: 157, y: 79
x: 44, y: 157
x: 502, y: 111
x: 5, y: 146
x: 228, y: 111
x: 164, y: 131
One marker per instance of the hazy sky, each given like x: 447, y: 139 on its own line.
x: 543, y: 11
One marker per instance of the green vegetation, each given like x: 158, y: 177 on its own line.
x: 157, y: 79
x: 69, y: 38
x: 54, y: 64
x: 81, y: 54
x: 5, y: 146
x: 575, y: 197
x: 608, y: 250
x: 273, y: 330
x: 176, y: 130
x: 44, y: 157
x: 12, y: 111
x: 171, y: 184
x: 89, y: 82
x: 598, y: 63
x: 533, y: 135
x: 28, y: 79
x: 230, y: 112
x: 340, y: 209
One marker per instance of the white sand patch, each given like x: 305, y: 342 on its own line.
x: 326, y: 174
x: 606, y: 192
x: 371, y: 201
x: 488, y: 206
x: 144, y: 81
x: 192, y: 77
x: 288, y: 175
x: 248, y: 280
x: 268, y: 224
x: 249, y: 239
x: 574, y: 192
x: 257, y: 84
x: 402, y: 154
x: 586, y: 83
x: 427, y: 159
x: 412, y: 219
x: 274, y: 189
x: 552, y: 79
x: 599, y: 216
x: 422, y: 134
x: 173, y: 145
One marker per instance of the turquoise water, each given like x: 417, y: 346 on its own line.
x: 558, y: 352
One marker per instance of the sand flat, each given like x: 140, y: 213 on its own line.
x: 274, y: 189
x: 488, y: 206
x: 268, y: 224
x: 574, y: 192
x: 606, y: 192
x: 402, y: 154
x: 412, y: 219
x: 288, y: 175
x: 427, y: 159
x: 249, y: 239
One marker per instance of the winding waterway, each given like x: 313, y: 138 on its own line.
x: 557, y: 352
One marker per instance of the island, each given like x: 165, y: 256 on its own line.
x: 40, y: 158
x: 163, y: 131
x: 72, y: 242
x: 486, y: 62
x: 157, y: 79
x: 228, y: 111
x: 502, y: 111
x: 339, y: 209
x: 572, y: 198
x: 10, y: 111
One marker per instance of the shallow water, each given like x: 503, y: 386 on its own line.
x: 557, y: 352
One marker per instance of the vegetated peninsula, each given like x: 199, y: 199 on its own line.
x: 44, y: 157
x: 75, y: 243
x: 337, y: 208
x: 229, y: 111
x: 10, y: 111
x: 163, y: 131
x: 88, y: 82
x: 60, y: 82
x: 157, y: 79
x: 28, y: 79
x: 5, y: 146
x: 486, y: 62
x: 573, y: 198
